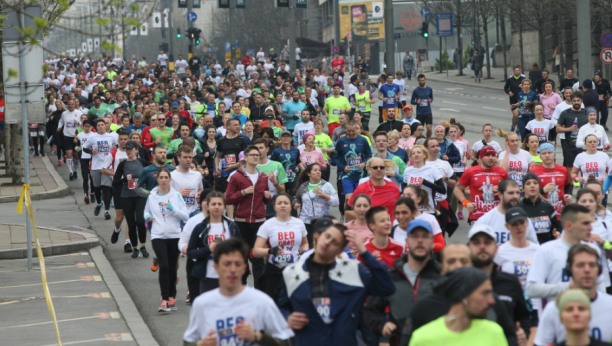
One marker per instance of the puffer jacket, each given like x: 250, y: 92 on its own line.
x: 449, y: 149
x: 317, y: 207
x: 250, y: 208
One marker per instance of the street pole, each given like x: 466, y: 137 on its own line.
x: 189, y: 25
x: 389, y: 31
x: 170, y: 6
x: 292, y: 60
x: 232, y: 11
x: 24, y: 131
x: 583, y: 16
x: 336, y: 23
x: 440, y: 37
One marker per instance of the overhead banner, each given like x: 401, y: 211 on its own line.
x: 144, y: 29
x: 361, y: 21
x: 90, y: 45
x: 157, y: 21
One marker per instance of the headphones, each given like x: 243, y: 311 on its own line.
x: 578, y: 248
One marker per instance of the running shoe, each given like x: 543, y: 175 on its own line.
x: 92, y: 197
x: 42, y: 153
x: 155, y: 264
x: 59, y: 163
x: 127, y: 248
x: 36, y: 154
x: 112, y: 205
x: 172, y: 304
x: 31, y: 150
x: 107, y: 215
x: 115, y: 236
x: 512, y: 129
x: 65, y: 158
x: 71, y: 177
x: 97, y: 210
x: 144, y: 252
x: 606, y: 128
x: 86, y: 199
x: 187, y: 299
x: 164, y: 307
x: 76, y: 176
x: 136, y: 253
x: 460, y: 215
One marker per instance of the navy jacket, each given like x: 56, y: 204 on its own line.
x: 349, y: 284
x: 449, y: 149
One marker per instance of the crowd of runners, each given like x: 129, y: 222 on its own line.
x: 231, y: 166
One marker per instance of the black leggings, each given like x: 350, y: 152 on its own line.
x: 58, y: 140
x: 106, y: 191
x: 167, y: 253
x: 38, y: 141
x: 85, y: 174
x: 270, y: 281
x: 249, y: 234
x: 310, y: 231
x: 133, y: 209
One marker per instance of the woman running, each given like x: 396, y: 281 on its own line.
x: 311, y: 154
x: 427, y: 176
x: 541, y: 126
x: 542, y: 214
x: 165, y: 208
x: 591, y: 162
x: 531, y: 145
x: 404, y: 141
x: 281, y: 239
x: 592, y: 128
x: 314, y: 196
x: 361, y: 205
x: 393, y: 138
x: 325, y: 144
x: 421, y: 200
x: 514, y: 160
x: 487, y: 132
x: 405, y: 208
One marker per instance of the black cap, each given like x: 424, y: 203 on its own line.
x: 322, y: 224
x: 530, y: 176
x: 270, y: 116
x: 515, y: 214
x: 131, y: 145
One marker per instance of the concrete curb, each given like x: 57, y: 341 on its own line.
x: 53, y: 250
x: 134, y: 320
x: 60, y: 191
x: 442, y: 78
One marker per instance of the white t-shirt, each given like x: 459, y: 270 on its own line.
x: 268, y: 67
x: 497, y: 221
x: 446, y: 171
x: 216, y: 230
x: 191, y: 180
x: 552, y: 331
x: 402, y: 87
x: 212, y: 311
x: 253, y: 177
x: 401, y: 234
x: 250, y: 69
x: 240, y: 68
x: 68, y: 121
x: 595, y: 164
x: 84, y: 137
x: 298, y: 51
x: 427, y: 172
x: 459, y: 167
x: 111, y: 163
x: 289, y: 234
x: 163, y: 59
x: 518, y: 165
x: 478, y: 145
x: 180, y: 66
x: 300, y: 130
x: 261, y: 56
x: 188, y: 229
x: 105, y: 144
x: 540, y: 128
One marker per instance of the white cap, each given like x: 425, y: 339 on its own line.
x: 486, y: 229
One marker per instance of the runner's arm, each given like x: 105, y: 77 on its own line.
x: 437, y: 186
x: 376, y: 275
x: 374, y: 314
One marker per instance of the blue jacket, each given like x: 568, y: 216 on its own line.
x: 449, y: 149
x: 349, y: 284
x: 423, y: 94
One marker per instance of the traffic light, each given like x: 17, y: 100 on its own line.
x: 164, y: 46
x: 472, y: 40
x: 194, y: 33
x: 178, y: 33
x: 425, y: 30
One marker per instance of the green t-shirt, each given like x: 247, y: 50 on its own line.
x: 537, y: 159
x: 369, y: 142
x: 279, y: 172
x: 313, y: 187
x: 323, y: 141
x: 363, y: 107
x: 114, y: 127
x: 99, y: 112
x: 333, y: 106
x: 166, y: 135
x: 480, y: 333
x: 173, y: 147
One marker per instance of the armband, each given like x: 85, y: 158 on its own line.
x: 465, y: 202
x: 575, y: 177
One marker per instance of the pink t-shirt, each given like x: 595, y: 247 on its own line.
x: 553, y: 100
x: 405, y: 143
x: 362, y: 230
x: 309, y: 157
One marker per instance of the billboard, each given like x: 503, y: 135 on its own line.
x: 362, y: 20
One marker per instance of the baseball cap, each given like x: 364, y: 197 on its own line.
x: 419, y: 223
x: 587, y: 84
x: 131, y: 145
x: 270, y: 116
x: 515, y: 214
x: 286, y: 133
x: 486, y: 229
x: 407, y: 107
x: 322, y: 224
x: 174, y: 105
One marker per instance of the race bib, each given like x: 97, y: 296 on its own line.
x: 336, y: 112
x: 423, y: 103
x: 599, y: 142
x: 230, y: 159
x: 521, y: 269
x: 323, y: 306
x: 541, y: 224
x: 33, y: 134
x: 291, y: 174
x: 362, y: 108
x: 542, y: 138
x: 297, y: 113
x: 601, y: 97
x: 132, y: 183
x: 518, y: 177
x: 103, y: 148
x: 458, y: 164
x: 190, y: 200
x: 229, y: 337
x: 283, y: 259
x: 354, y: 161
x: 391, y: 101
x: 440, y: 197
x: 1, y: 109
x: 211, y: 113
x: 70, y: 125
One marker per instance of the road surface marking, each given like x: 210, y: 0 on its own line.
x: 495, y: 109
x: 448, y: 109
x: 454, y: 103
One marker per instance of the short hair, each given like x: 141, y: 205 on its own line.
x: 420, y: 76
x: 159, y: 146
x: 427, y: 142
x: 137, y: 115
x: 516, y: 66
x: 122, y: 132
x: 575, y: 94
x: 183, y: 149
x: 234, y: 103
x: 100, y: 120
x: 249, y: 149
x: 571, y: 211
x: 337, y: 85
x: 351, y: 123
x: 233, y: 244
x: 504, y: 184
x: 232, y: 119
x: 580, y: 248
x: 373, y: 211
x: 260, y: 141
x: 379, y: 133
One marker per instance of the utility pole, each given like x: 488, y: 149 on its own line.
x: 232, y: 11
x: 336, y: 23
x: 170, y: 6
x: 389, y: 31
x: 583, y: 15
x: 292, y: 61
x: 189, y: 25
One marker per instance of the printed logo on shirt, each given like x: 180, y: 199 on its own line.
x: 103, y: 147
x: 226, y: 330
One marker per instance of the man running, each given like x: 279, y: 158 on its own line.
x: 334, y: 106
x: 570, y: 121
x: 352, y: 153
x: 292, y: 111
x: 84, y: 159
x: 228, y: 150
x: 422, y: 97
x: 512, y: 88
x: 554, y: 179
x: 109, y: 167
x: 70, y: 121
x: 389, y: 93
x: 162, y: 134
x: 382, y: 192
x: 277, y: 178
x: 185, y: 181
x: 391, y: 122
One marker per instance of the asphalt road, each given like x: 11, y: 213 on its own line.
x: 473, y: 107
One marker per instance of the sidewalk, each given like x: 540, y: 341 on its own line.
x: 13, y: 241
x: 45, y: 182
x: 496, y: 83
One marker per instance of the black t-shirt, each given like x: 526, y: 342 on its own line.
x: 592, y: 343
x: 230, y: 148
x: 567, y: 82
x: 566, y: 119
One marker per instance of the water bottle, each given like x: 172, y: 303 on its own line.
x: 575, y: 133
x: 223, y: 166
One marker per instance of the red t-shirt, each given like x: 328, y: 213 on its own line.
x: 385, y: 195
x: 2, y: 110
x: 246, y: 61
x: 481, y: 182
x: 338, y: 64
x: 557, y: 175
x: 388, y: 255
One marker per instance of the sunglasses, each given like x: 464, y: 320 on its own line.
x: 377, y: 167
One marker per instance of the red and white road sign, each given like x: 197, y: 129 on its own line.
x: 606, y: 55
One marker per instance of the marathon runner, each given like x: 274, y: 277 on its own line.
x: 68, y: 124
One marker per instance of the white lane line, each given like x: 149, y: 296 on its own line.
x: 495, y: 109
x: 448, y: 109
x: 454, y: 103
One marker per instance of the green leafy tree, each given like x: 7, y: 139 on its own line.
x: 447, y: 64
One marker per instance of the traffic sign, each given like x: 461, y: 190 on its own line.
x: 606, y: 39
x: 238, y: 53
x: 335, y: 49
x: 228, y: 56
x: 228, y: 47
x: 425, y: 12
x: 444, y: 24
x: 606, y: 55
x: 192, y: 17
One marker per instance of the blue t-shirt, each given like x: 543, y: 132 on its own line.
x: 389, y: 91
x: 289, y: 159
x: 133, y: 128
x: 294, y: 108
x: 530, y: 96
x: 243, y: 118
x: 352, y: 152
x: 424, y: 94
x: 401, y: 153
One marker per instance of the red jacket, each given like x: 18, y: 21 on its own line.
x: 252, y: 207
x: 246, y: 61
